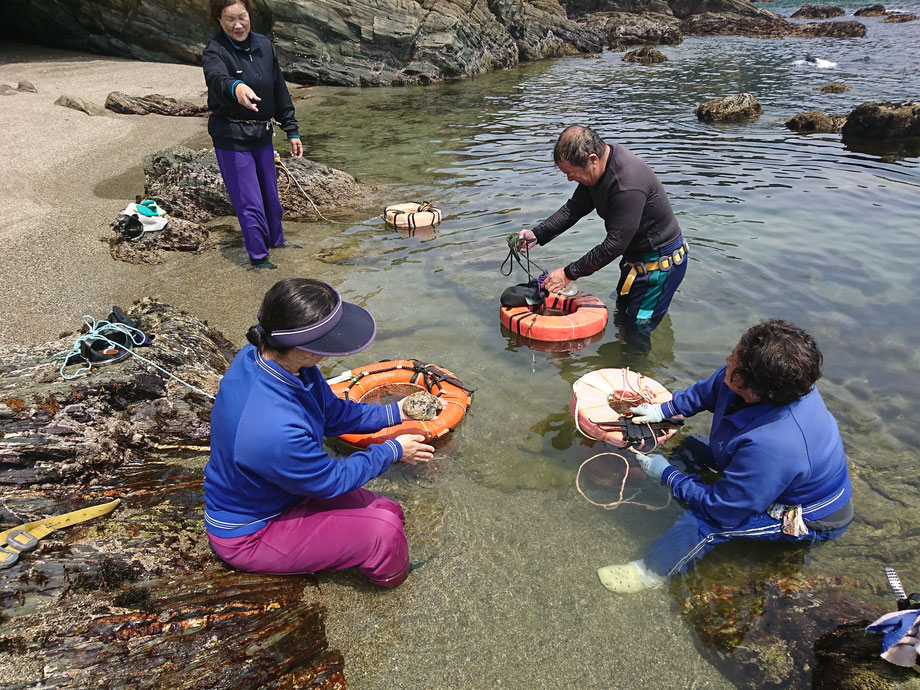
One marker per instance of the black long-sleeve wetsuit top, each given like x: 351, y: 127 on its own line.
x: 635, y: 208
x: 254, y: 63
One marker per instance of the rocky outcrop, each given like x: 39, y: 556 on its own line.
x: 809, y: 11
x: 178, y: 236
x: 119, y: 102
x: 737, y: 108
x: 835, y: 87
x: 621, y: 29
x: 847, y: 29
x: 900, y: 18
x: 187, y: 184
x: 75, y: 103
x: 135, y: 598
x: 61, y: 430
x: 814, y: 121
x: 768, y: 25
x: 870, y: 11
x: 645, y: 56
x: 359, y: 42
x: 883, y: 121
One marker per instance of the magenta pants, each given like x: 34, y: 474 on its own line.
x: 359, y: 529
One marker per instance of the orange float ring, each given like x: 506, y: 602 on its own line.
x: 412, y: 215
x: 399, y: 377
x: 580, y: 316
x: 601, y: 396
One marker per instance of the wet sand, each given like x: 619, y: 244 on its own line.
x: 55, y: 266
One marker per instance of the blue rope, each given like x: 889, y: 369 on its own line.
x: 97, y: 331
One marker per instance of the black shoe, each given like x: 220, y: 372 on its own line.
x: 289, y: 245
x: 259, y: 264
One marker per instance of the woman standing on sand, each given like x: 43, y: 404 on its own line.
x: 246, y: 93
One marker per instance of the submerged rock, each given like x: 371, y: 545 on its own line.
x: 836, y: 87
x: 881, y: 120
x: 79, y: 104
x: 188, y: 185
x: 26, y: 86
x: 645, y: 56
x: 899, y: 18
x: 815, y: 121
x: 742, y: 106
x: 119, y: 102
x: 870, y: 11
x: 809, y: 11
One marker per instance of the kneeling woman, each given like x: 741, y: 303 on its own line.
x: 276, y: 501
x: 784, y: 472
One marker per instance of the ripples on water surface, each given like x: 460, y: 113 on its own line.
x: 780, y: 225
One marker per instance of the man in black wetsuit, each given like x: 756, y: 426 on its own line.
x: 641, y: 227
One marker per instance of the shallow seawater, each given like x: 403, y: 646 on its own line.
x: 780, y: 225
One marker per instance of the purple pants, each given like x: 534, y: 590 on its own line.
x: 252, y: 184
x: 359, y: 530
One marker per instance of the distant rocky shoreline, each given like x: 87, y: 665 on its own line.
x: 354, y: 43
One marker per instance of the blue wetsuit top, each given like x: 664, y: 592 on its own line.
x: 267, y: 453
x: 790, y: 454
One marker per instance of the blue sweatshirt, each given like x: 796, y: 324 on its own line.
x: 267, y: 454
x: 790, y: 454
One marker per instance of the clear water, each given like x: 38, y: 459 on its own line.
x: 780, y: 225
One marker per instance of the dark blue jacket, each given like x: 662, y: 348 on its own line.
x: 267, y: 453
x: 790, y: 454
x: 255, y: 63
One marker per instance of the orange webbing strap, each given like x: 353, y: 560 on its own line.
x: 25, y: 537
x: 662, y: 264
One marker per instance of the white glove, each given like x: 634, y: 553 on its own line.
x: 647, y: 413
x: 653, y: 465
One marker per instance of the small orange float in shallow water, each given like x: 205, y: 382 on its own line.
x: 412, y: 215
x: 599, y: 399
x: 558, y: 318
x: 397, y: 378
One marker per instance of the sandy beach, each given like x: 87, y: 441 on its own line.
x: 55, y: 208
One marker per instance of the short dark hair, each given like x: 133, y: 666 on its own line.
x: 576, y: 144
x: 217, y: 7
x: 778, y: 362
x: 291, y: 303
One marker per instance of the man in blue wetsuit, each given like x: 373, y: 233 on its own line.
x: 640, y: 224
x: 783, y: 468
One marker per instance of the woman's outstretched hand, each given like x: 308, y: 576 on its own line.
x: 414, y: 448
x: 246, y: 97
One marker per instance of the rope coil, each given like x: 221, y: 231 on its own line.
x: 97, y: 331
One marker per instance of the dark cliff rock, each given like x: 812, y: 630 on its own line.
x: 808, y: 11
x: 814, y: 121
x: 187, y: 184
x: 353, y: 43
